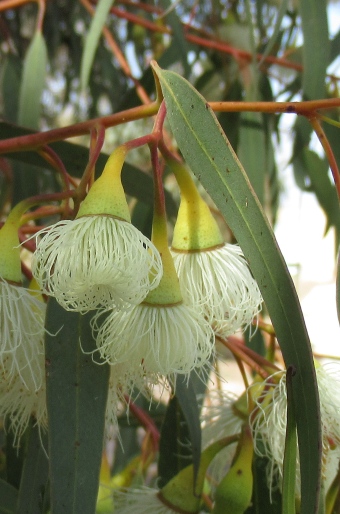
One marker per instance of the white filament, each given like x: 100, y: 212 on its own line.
x: 96, y: 261
x: 218, y: 282
x: 22, y: 319
x: 165, y: 339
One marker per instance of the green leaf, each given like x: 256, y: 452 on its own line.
x: 92, y: 40
x: 322, y: 186
x: 289, y: 461
x: 263, y: 500
x: 315, y: 47
x: 34, y: 479
x: 180, y: 443
x: 76, y: 403
x: 33, y: 82
x: 10, y: 83
x: 209, y: 155
x: 276, y: 32
x: 177, y: 35
x: 8, y: 498
x: 338, y: 287
x: 15, y: 455
x: 251, y: 150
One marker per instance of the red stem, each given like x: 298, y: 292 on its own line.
x: 146, y: 421
x: 314, y: 121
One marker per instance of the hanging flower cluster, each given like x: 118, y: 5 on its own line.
x: 156, y: 309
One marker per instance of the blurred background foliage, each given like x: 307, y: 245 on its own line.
x: 230, y: 51
x: 58, y: 67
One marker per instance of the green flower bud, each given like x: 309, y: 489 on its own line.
x: 233, y: 494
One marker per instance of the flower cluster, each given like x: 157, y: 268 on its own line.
x: 156, y: 309
x: 269, y: 425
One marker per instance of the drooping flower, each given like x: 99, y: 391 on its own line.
x: 22, y: 315
x: 219, y: 282
x: 269, y: 425
x: 162, y: 334
x: 214, y: 276
x: 20, y: 399
x: 22, y: 319
x: 99, y: 259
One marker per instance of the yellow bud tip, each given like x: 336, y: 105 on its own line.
x: 195, y: 228
x: 107, y: 195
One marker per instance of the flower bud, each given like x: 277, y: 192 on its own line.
x: 106, y: 196
x: 234, y: 492
x: 213, y: 275
x: 98, y: 260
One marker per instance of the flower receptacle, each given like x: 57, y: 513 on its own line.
x: 168, y: 290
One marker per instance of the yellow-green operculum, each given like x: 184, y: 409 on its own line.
x: 22, y: 315
x: 214, y: 275
x: 162, y: 332
x: 269, y: 425
x: 99, y: 259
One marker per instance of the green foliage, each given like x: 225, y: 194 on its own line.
x: 92, y: 40
x: 76, y: 402
x: 209, y: 155
x: 60, y: 75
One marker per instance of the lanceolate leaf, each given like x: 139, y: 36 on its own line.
x: 315, y: 47
x: 209, y: 155
x: 34, y: 480
x: 289, y: 463
x: 76, y: 403
x: 180, y: 443
x: 323, y: 187
x: 9, y: 497
x: 92, y: 39
x: 33, y: 82
x: 251, y: 150
x: 338, y: 288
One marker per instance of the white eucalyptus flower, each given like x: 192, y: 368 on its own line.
x: 96, y: 261
x: 18, y: 402
x: 213, y: 275
x: 219, y: 283
x: 269, y: 425
x: 22, y: 318
x: 164, y: 339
